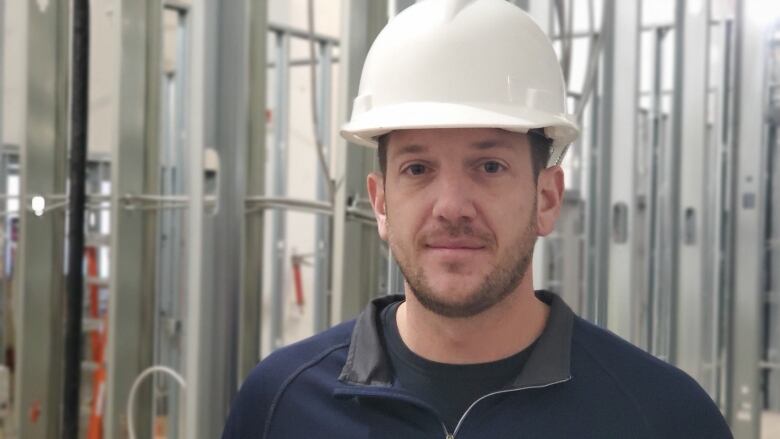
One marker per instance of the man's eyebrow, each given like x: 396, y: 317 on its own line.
x: 413, y: 148
x: 493, y: 143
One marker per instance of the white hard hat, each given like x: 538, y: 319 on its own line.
x: 461, y: 64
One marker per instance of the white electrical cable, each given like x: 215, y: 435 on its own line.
x: 134, y: 389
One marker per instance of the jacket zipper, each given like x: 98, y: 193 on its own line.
x: 425, y: 406
x: 499, y: 392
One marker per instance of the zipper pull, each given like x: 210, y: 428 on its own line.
x: 450, y: 436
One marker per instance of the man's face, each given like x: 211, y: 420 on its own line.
x: 459, y: 209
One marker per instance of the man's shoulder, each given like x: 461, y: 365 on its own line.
x: 613, y: 353
x: 253, y: 407
x: 302, y: 354
x: 667, y: 397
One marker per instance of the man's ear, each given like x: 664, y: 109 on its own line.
x: 376, y: 192
x: 549, y: 196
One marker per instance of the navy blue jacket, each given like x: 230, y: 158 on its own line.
x: 580, y: 381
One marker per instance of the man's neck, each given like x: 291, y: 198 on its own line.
x: 499, y: 332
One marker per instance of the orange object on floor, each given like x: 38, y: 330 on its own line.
x: 95, y: 425
x: 98, y: 341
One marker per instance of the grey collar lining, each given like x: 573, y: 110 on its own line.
x: 549, y: 363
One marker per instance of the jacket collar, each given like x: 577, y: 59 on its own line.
x: 549, y: 363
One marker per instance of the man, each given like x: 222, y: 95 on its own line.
x: 465, y: 102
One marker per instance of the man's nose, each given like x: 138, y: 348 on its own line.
x: 453, y: 198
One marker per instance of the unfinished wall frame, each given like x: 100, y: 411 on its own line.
x: 41, y: 283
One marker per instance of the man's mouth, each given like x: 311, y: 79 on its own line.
x: 455, y: 244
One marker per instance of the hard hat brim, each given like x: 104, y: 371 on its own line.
x: 364, y: 129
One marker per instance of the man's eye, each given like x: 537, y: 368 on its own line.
x: 492, y: 167
x: 416, y: 169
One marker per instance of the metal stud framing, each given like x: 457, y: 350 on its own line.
x: 219, y: 78
x: 249, y: 303
x: 196, y: 353
x: 40, y: 285
x: 771, y: 355
x: 223, y: 228
x: 2, y: 84
x: 131, y: 302
x: 667, y: 205
x: 164, y: 264
x: 5, y: 306
x: 690, y: 139
x: 619, y: 122
x: 279, y: 188
x: 355, y: 250
x: 323, y: 48
x: 714, y: 225
x: 323, y: 223
x: 598, y: 207
x: 749, y: 208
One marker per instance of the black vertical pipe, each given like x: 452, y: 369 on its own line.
x: 76, y: 201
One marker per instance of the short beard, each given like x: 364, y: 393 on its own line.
x: 495, y: 287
